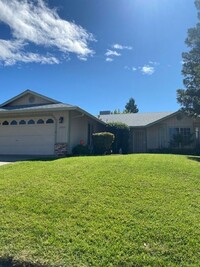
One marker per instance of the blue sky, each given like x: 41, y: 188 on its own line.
x: 95, y: 53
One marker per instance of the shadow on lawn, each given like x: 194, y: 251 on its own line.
x: 194, y: 158
x: 11, y: 263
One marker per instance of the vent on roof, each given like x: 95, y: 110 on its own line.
x: 105, y: 112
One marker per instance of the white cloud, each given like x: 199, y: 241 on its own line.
x: 33, y: 22
x: 126, y: 67
x: 154, y: 63
x: 12, y: 52
x: 110, y: 53
x: 113, y: 53
x: 108, y: 59
x: 121, y: 47
x: 130, y: 68
x: 82, y: 58
x: 147, y: 69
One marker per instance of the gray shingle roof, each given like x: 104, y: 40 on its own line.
x: 136, y: 119
x: 36, y: 107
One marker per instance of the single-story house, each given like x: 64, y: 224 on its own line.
x: 157, y: 130
x: 33, y: 124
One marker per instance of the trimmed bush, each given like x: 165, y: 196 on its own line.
x: 102, y: 142
x: 121, y: 132
x: 80, y: 150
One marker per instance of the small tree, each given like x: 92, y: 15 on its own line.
x: 116, y: 111
x: 121, y: 132
x: 131, y: 107
x: 102, y: 142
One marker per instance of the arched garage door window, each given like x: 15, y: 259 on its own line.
x: 31, y: 122
x: 14, y: 122
x: 40, y: 121
x: 49, y: 121
x: 22, y: 122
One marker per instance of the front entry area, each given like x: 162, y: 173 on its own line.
x: 27, y: 137
x: 139, y: 141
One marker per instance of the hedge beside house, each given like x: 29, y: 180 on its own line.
x: 121, y: 132
x: 102, y: 142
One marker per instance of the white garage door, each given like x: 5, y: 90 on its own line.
x: 27, y: 139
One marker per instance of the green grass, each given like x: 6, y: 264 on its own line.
x: 134, y: 210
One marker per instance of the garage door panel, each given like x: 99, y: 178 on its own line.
x: 27, y: 139
x: 9, y: 130
x: 25, y: 150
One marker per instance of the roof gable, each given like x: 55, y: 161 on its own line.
x: 29, y: 98
x: 22, y: 103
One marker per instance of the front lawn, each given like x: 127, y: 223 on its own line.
x: 134, y: 210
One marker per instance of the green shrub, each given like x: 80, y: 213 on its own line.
x: 80, y: 150
x: 121, y: 132
x: 102, y: 142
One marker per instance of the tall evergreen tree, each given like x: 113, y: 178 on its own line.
x: 189, y: 98
x: 131, y: 107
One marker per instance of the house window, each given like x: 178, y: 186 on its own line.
x: 22, y: 122
x: 40, y: 121
x: 179, y: 137
x: 49, y: 121
x: 13, y: 122
x: 31, y: 122
x: 172, y: 133
x: 186, y: 135
x: 5, y: 123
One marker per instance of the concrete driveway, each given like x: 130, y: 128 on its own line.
x: 7, y: 159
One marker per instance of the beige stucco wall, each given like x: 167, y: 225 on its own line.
x: 62, y: 129
x: 79, y: 128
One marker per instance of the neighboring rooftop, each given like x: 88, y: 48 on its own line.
x: 136, y: 119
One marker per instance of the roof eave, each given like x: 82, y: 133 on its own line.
x: 89, y: 115
x: 36, y: 110
x: 52, y: 109
x: 141, y: 126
